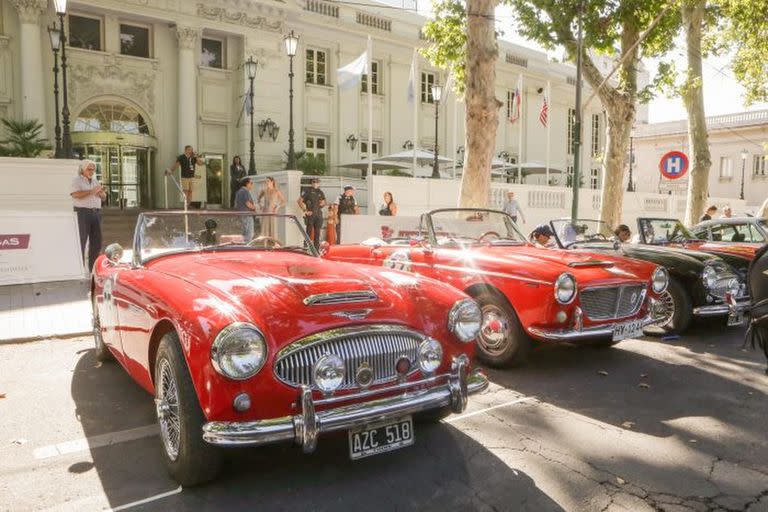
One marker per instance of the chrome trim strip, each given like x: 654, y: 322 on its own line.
x: 595, y: 263
x: 305, y: 427
x: 566, y: 335
x: 722, y: 309
x: 349, y: 297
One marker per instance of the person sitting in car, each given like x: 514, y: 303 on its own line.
x: 542, y: 236
x: 622, y: 234
x: 208, y: 235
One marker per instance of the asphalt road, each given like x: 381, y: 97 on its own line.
x: 647, y: 425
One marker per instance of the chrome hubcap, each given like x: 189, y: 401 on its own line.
x: 167, y: 407
x: 494, y: 332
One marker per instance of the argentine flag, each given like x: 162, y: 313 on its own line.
x: 350, y: 75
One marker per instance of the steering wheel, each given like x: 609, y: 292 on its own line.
x: 597, y: 236
x: 265, y: 241
x: 488, y: 233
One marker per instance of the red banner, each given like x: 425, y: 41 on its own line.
x: 8, y: 242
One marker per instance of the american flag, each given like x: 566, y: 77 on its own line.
x: 544, y: 113
x: 515, y: 114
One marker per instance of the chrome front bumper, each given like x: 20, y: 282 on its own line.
x: 729, y: 307
x: 305, y: 427
x: 585, y: 333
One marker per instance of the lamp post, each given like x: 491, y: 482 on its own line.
x: 744, y: 154
x: 291, y: 45
x: 437, y: 92
x: 66, y: 137
x: 55, y: 35
x: 250, y: 69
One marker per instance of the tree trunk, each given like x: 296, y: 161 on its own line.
x: 482, y: 116
x: 693, y: 97
x: 621, y: 118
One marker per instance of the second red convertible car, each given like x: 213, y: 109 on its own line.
x: 524, y: 292
x: 246, y: 341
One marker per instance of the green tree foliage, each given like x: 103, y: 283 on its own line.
x: 311, y: 164
x: 745, y: 31
x: 447, y: 34
x: 23, y: 138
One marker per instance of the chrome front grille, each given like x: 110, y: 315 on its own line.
x: 612, y: 302
x: 380, y: 346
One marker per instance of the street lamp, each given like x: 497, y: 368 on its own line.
x: 66, y: 137
x: 437, y: 92
x: 55, y: 35
x: 250, y: 69
x: 291, y: 46
x: 744, y: 154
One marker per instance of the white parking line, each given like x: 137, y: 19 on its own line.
x: 146, y: 500
x: 88, y: 443
x: 453, y: 419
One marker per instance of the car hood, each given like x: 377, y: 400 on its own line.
x: 548, y: 264
x: 272, y: 286
x: 673, y: 258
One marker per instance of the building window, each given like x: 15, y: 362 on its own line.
x: 317, y: 145
x: 375, y: 81
x: 84, y: 32
x: 110, y: 117
x: 134, y: 41
x: 759, y: 163
x: 427, y: 81
x: 212, y: 53
x: 317, y: 67
x: 726, y: 169
x: 594, y: 179
x: 510, y: 104
x: 364, y: 149
x: 571, y: 134
x: 596, y: 149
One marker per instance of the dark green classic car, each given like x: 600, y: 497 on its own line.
x: 701, y: 284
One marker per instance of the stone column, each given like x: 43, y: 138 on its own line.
x: 189, y: 40
x: 31, y: 60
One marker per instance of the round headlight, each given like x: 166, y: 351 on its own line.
x: 733, y: 287
x: 709, y: 277
x: 328, y: 373
x: 659, y: 280
x: 239, y: 351
x: 430, y: 355
x: 565, y: 288
x: 464, y: 320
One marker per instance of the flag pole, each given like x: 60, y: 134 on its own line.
x: 548, y: 99
x: 416, y: 106
x: 370, y: 106
x: 520, y: 134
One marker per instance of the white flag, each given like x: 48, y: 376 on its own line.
x: 412, y: 80
x: 350, y: 75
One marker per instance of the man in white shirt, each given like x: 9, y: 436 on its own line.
x: 512, y: 207
x: 87, y: 195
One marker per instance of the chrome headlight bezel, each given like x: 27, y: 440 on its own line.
x: 465, y: 320
x: 660, y: 275
x: 709, y: 277
x: 565, y: 283
x: 430, y: 356
x: 326, y: 383
x: 228, y: 339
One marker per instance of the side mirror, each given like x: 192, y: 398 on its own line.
x: 324, y: 247
x: 114, y: 253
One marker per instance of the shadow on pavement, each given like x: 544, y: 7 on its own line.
x: 444, y: 470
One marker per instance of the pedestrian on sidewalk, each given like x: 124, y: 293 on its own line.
x: 709, y: 214
x: 270, y: 199
x: 187, y: 162
x: 346, y: 204
x: 311, y: 202
x: 87, y: 195
x: 389, y: 208
x: 512, y: 207
x: 244, y: 203
x: 236, y: 173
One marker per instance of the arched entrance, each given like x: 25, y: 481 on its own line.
x: 118, y: 138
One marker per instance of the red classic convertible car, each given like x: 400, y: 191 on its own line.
x: 246, y: 341
x: 524, y: 292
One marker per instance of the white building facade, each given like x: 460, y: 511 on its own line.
x: 146, y: 77
x: 738, y: 144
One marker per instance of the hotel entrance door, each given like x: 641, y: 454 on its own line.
x: 124, y: 172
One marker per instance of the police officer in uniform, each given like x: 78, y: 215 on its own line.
x: 311, y: 202
x: 346, y: 204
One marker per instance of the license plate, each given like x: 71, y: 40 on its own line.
x: 380, y: 438
x: 631, y: 329
x: 736, y: 318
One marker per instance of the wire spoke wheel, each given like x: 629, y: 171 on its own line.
x: 167, y: 406
x: 665, y: 309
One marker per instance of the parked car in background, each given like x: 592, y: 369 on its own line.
x: 749, y: 232
x: 672, y: 233
x: 248, y: 342
x: 701, y: 284
x: 526, y: 294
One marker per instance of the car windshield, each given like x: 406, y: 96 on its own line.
x: 662, y: 231
x: 568, y: 232
x: 465, y: 226
x: 159, y: 233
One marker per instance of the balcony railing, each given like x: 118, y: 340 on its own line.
x: 369, y: 20
x: 322, y: 7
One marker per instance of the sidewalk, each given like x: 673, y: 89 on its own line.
x: 44, y: 310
